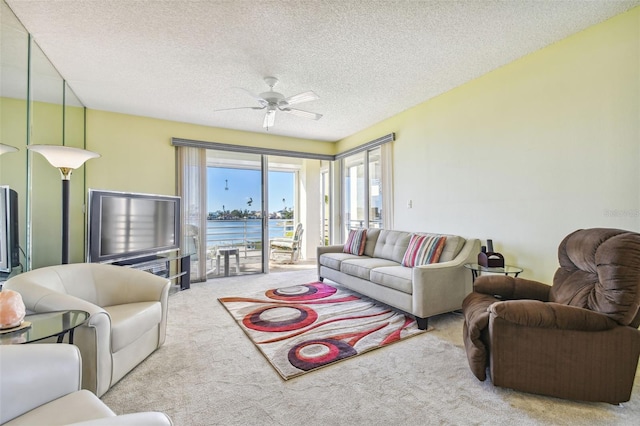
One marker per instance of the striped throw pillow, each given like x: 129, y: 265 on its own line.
x: 423, y: 250
x: 356, y: 241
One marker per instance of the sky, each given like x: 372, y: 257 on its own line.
x: 234, y: 188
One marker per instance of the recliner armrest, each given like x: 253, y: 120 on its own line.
x: 33, y: 375
x: 510, y: 288
x: 533, y: 313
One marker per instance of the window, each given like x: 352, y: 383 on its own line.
x: 363, y: 190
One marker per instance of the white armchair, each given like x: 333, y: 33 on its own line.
x: 40, y: 385
x: 127, y: 308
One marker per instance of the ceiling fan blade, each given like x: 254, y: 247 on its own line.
x: 301, y: 113
x: 269, y: 118
x: 260, y: 100
x: 302, y: 97
x: 229, y: 109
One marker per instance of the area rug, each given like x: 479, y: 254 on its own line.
x: 305, y: 327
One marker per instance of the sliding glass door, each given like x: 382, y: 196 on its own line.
x: 236, y: 201
x: 235, y: 213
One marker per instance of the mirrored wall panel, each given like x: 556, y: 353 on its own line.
x: 38, y: 107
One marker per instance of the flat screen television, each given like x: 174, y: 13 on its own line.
x: 125, y: 225
x: 9, y: 238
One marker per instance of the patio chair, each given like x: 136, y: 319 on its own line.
x: 287, y: 246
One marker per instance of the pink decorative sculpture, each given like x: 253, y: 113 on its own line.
x: 12, y: 309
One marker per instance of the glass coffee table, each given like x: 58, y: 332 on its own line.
x: 44, y: 325
x: 476, y: 269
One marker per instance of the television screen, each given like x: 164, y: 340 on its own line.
x: 9, y: 245
x: 128, y: 225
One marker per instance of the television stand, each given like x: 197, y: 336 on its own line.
x: 161, y: 265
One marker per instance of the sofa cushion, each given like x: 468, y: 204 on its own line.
x: 423, y: 250
x: 372, y: 239
x: 395, y: 277
x: 333, y: 260
x: 361, y: 267
x: 356, y: 241
x: 130, y: 321
x: 452, y: 247
x: 392, y: 245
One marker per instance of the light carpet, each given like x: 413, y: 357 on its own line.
x: 209, y: 373
x: 302, y: 328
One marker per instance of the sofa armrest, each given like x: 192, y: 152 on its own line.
x: 336, y: 248
x: 33, y: 375
x: 320, y: 250
x: 510, y: 288
x: 441, y: 287
x: 151, y: 418
x: 534, y: 313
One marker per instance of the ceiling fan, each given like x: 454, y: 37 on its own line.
x: 273, y: 101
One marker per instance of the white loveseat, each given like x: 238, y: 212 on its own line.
x: 127, y: 314
x: 40, y: 385
x: 422, y: 291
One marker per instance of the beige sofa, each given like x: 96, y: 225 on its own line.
x: 40, y: 385
x: 127, y: 308
x: 422, y: 291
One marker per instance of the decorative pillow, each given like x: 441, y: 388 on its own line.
x: 356, y: 241
x: 423, y: 250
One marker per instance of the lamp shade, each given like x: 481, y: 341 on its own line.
x: 7, y: 148
x: 64, y: 156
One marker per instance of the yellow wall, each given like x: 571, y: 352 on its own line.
x: 529, y: 152
x: 137, y: 154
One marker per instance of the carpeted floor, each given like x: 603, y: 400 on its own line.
x: 209, y: 373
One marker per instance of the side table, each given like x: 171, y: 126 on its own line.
x: 476, y: 269
x: 44, y: 325
x: 226, y: 251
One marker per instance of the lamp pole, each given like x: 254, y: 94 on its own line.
x: 66, y: 233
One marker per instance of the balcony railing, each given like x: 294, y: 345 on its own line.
x: 245, y: 234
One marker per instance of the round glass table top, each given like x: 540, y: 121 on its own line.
x: 43, y: 325
x: 506, y: 269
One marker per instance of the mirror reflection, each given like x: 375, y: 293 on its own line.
x: 50, y: 113
x: 13, y: 114
x: 45, y: 208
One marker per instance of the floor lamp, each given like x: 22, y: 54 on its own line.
x: 67, y: 159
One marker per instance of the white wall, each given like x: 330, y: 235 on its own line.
x: 310, y: 207
x: 529, y: 152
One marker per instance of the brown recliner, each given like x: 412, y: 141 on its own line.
x: 577, y: 339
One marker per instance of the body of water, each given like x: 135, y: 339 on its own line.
x: 235, y: 232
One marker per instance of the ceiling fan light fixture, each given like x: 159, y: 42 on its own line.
x: 269, y: 118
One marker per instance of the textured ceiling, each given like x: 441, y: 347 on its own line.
x: 367, y: 60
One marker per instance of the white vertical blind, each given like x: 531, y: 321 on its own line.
x: 386, y: 157
x: 192, y: 169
